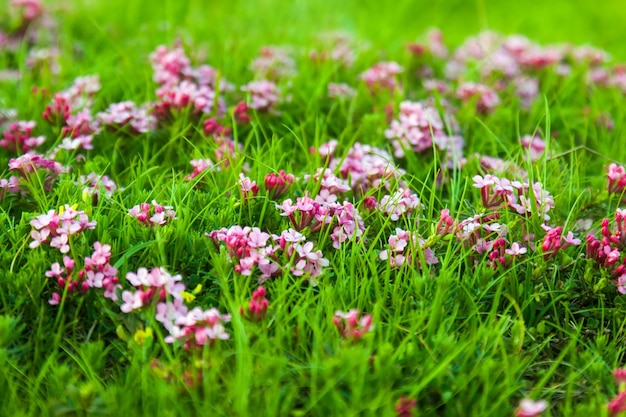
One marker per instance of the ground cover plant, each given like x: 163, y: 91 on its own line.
x: 205, y: 211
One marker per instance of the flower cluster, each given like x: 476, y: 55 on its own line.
x: 128, y: 118
x: 343, y: 218
x: 151, y: 286
x: 55, y: 229
x: 28, y: 167
x: 486, y: 99
x: 264, y: 95
x: 258, y: 305
x: 96, y: 185
x: 248, y: 188
x: 278, y: 184
x: 399, y: 204
x: 407, y: 248
x: 97, y: 273
x: 607, y: 250
x: 554, y: 241
x: 194, y: 328
x: 419, y: 127
x: 153, y: 214
x: 365, y: 167
x: 351, y: 325
x: 18, y: 138
x: 273, y: 63
x: 252, y: 248
x: 498, y: 192
x: 184, y: 88
x: 382, y: 76
x: 199, y: 166
x: 616, y: 175
x: 535, y: 146
x: 71, y: 110
x: 340, y: 91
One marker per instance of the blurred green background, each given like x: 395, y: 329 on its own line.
x: 388, y: 24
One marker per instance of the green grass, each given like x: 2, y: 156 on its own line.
x: 459, y: 337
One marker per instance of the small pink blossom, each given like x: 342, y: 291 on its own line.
x: 530, y: 408
x: 351, y: 325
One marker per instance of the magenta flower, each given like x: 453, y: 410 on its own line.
x: 278, y: 184
x: 257, y: 308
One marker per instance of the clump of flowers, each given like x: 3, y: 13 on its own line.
x: 606, y: 251
x: 405, y: 406
x: 28, y: 167
x: 70, y: 109
x: 616, y: 174
x: 151, y: 286
x: 183, y: 88
x: 498, y: 192
x: 55, y: 229
x: 340, y: 91
x: 308, y: 213
x: 351, y: 325
x: 97, y: 273
x: 196, y: 327
x: 248, y: 188
x: 258, y: 305
x: 419, y: 127
x: 554, y: 241
x: 400, y: 204
x: 535, y: 146
x: 199, y: 166
x: 96, y: 185
x: 382, y: 76
x: 264, y: 95
x: 153, y: 214
x: 405, y: 247
x: 365, y: 167
x: 127, y: 117
x: 278, y: 184
x: 486, y: 98
x: 251, y: 248
x: 273, y: 63
x: 18, y: 137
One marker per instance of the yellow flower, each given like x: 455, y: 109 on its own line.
x: 141, y: 335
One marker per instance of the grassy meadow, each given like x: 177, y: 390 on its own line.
x: 312, y: 208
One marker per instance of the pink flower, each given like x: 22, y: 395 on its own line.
x: 530, y: 408
x: 351, y: 325
x: 382, y: 76
x: 340, y: 91
x: 257, y: 308
x: 264, y: 95
x: 516, y: 249
x: 535, y: 145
